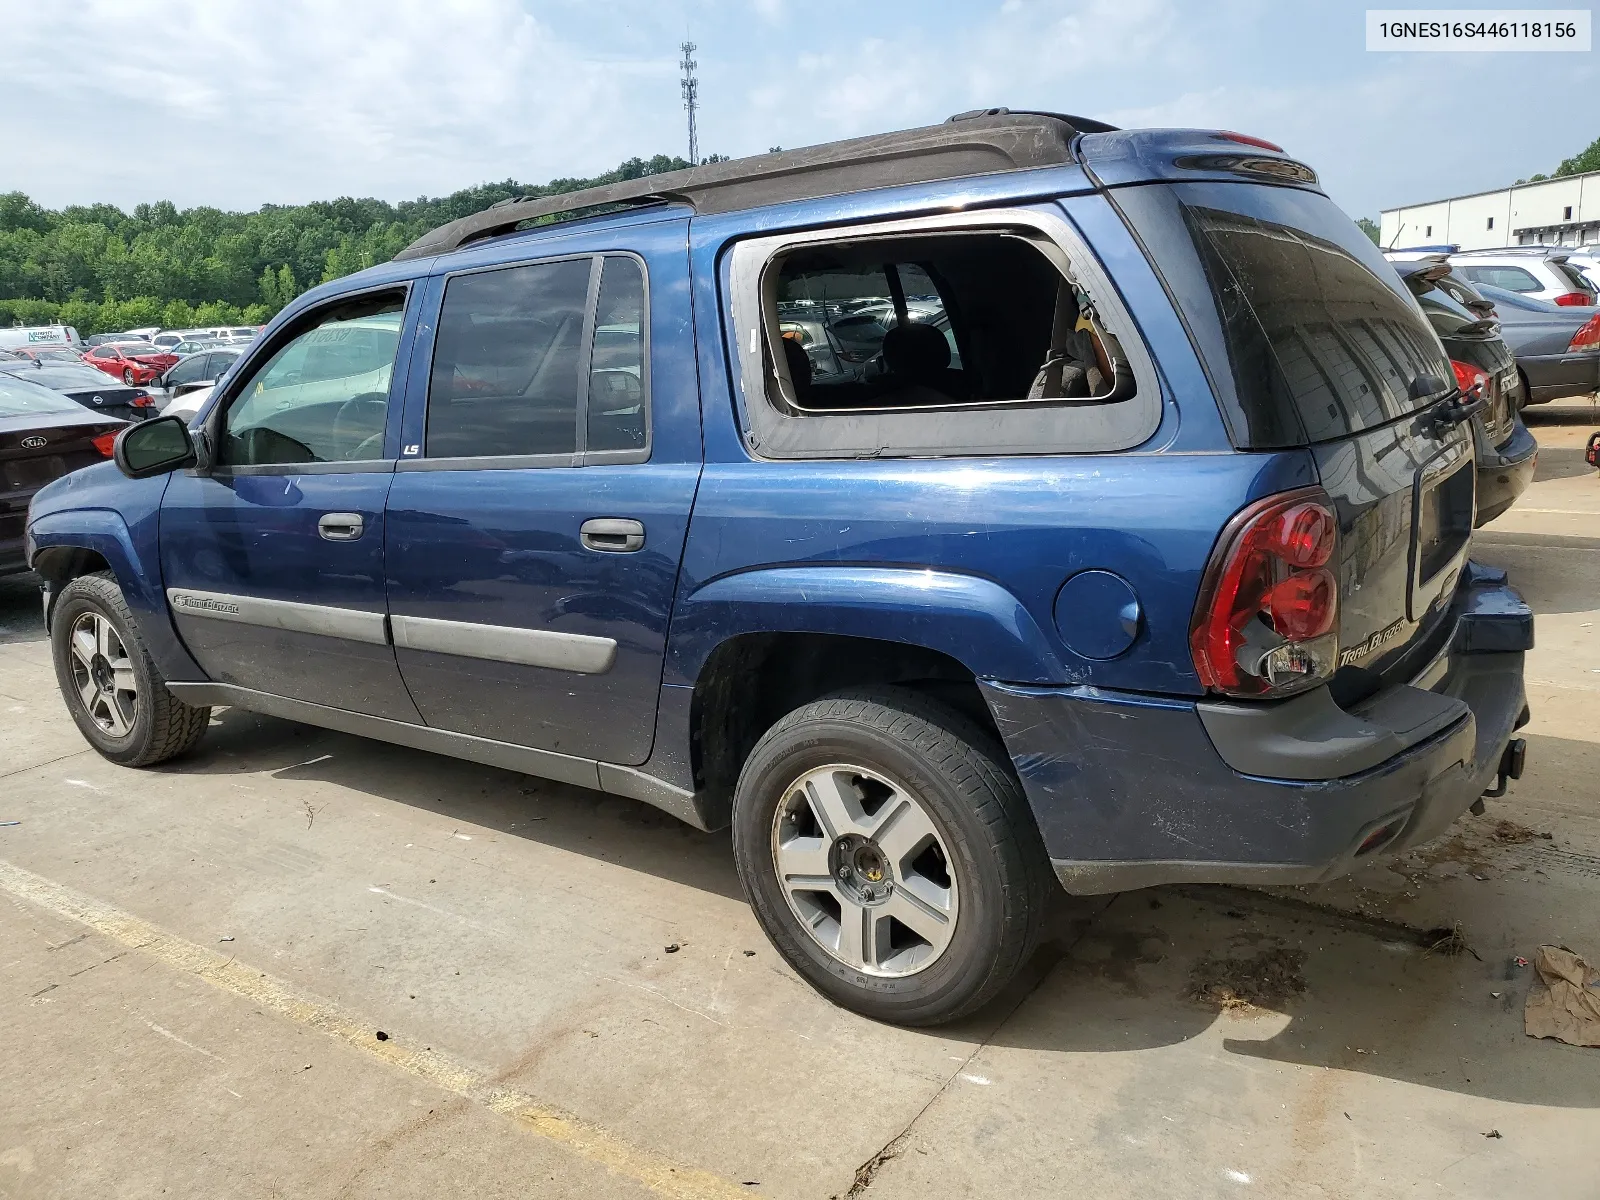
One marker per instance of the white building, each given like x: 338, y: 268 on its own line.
x: 1553, y: 211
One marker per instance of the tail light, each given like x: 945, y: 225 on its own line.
x: 1588, y: 335
x: 1469, y: 377
x: 1244, y: 139
x: 105, y: 442
x: 1575, y: 299
x: 142, y: 400
x: 1265, y: 623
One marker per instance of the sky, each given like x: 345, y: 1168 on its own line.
x: 234, y: 104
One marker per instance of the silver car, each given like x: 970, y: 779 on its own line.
x: 1543, y: 272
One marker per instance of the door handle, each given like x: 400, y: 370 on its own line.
x: 614, y: 535
x: 340, y: 527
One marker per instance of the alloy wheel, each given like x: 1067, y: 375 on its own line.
x: 866, y: 870
x: 102, y: 673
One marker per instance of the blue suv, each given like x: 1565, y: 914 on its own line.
x: 1131, y: 548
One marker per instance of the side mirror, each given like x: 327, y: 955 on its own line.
x: 154, y: 447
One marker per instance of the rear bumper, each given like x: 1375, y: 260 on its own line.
x: 1505, y: 472
x: 1131, y: 791
x: 13, y: 555
x: 1557, y: 376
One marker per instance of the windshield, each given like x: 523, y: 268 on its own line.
x: 19, y: 398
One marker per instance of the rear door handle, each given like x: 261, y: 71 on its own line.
x: 613, y: 535
x: 340, y: 527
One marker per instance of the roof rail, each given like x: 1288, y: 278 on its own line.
x: 1549, y: 250
x: 977, y: 143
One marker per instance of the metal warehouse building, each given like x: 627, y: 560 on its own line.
x: 1562, y: 211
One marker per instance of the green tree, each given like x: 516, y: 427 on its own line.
x: 1368, y: 227
x: 1586, y: 160
x: 108, y: 269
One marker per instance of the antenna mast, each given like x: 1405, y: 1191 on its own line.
x: 691, y: 98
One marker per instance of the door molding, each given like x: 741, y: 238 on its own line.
x: 349, y: 623
x: 574, y: 652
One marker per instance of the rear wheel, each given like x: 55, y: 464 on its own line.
x: 890, y: 855
x: 113, y: 688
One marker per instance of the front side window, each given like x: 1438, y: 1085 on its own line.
x: 190, y: 370
x: 324, y: 395
x: 506, y: 361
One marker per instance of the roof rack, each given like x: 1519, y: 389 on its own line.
x: 979, y: 142
x: 1531, y: 250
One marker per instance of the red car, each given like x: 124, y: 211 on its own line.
x: 134, y: 365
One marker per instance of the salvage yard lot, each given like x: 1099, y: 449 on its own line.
x: 196, y: 962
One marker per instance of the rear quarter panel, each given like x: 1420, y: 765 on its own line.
x: 963, y: 555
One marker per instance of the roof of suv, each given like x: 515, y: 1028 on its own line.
x: 1559, y: 253
x: 972, y: 143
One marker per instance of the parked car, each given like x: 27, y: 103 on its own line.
x: 43, y: 435
x: 196, y: 372
x: 1557, y: 346
x: 86, y: 386
x: 1542, y: 272
x: 22, y: 337
x: 1484, y: 367
x: 1168, y: 581
x: 102, y: 339
x: 47, y: 354
x: 135, y: 364
x: 190, y: 346
x: 1585, y: 260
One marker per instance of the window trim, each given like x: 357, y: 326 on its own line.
x: 302, y: 323
x: 1041, y: 428
x: 581, y: 456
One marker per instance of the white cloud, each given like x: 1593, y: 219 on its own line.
x: 238, y: 104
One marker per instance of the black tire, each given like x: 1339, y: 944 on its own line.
x: 960, y: 776
x: 162, y: 726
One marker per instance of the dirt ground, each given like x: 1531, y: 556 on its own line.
x: 300, y: 964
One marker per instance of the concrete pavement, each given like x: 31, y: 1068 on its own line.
x: 510, y: 939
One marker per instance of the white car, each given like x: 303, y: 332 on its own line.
x: 1543, y: 272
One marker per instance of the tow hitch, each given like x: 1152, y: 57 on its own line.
x: 1511, y: 764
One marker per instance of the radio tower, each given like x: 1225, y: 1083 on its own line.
x: 691, y: 98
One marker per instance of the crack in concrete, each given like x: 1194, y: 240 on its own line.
x: 895, y: 1146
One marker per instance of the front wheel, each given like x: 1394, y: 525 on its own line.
x: 889, y: 855
x: 127, y: 376
x: 115, y: 692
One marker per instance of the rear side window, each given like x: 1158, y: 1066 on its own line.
x: 1568, y: 272
x: 994, y: 333
x: 1307, y: 333
x: 505, y: 375
x: 1513, y: 279
x: 617, y: 363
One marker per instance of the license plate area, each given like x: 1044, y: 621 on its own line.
x: 33, y: 472
x: 1442, y: 512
